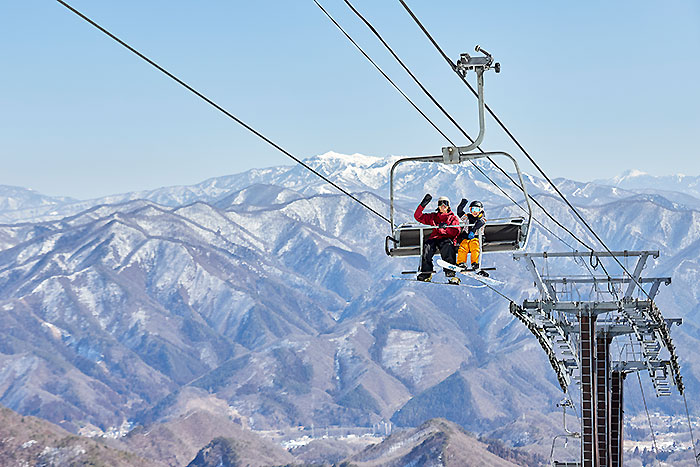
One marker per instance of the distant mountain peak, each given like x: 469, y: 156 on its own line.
x: 357, y: 159
x: 633, y: 174
x: 630, y: 173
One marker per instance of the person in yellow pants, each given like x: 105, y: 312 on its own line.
x: 469, y: 237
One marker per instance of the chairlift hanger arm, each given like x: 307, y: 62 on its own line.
x: 466, y: 62
x: 457, y: 154
x: 479, y: 65
x: 603, y: 279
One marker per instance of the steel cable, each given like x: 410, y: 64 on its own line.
x: 228, y: 114
x: 382, y: 72
x: 414, y: 105
x: 529, y: 157
x: 561, y: 195
x: 690, y: 427
x: 221, y: 109
x: 454, y: 68
x: 449, y: 117
x: 653, y: 436
x: 279, y: 148
x: 448, y: 139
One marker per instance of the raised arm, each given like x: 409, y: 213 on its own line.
x: 419, y: 216
x: 460, y: 208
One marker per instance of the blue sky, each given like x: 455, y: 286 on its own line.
x: 590, y: 88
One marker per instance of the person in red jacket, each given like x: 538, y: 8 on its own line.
x: 441, y: 239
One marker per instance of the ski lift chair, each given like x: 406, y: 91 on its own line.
x: 503, y: 234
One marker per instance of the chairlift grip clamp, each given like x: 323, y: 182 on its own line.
x: 450, y: 155
x: 479, y: 64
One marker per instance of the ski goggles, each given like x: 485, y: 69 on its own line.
x: 443, y: 203
x: 474, y: 209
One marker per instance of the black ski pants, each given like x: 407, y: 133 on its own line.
x: 447, y: 250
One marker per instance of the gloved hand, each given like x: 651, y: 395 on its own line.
x: 426, y: 200
x: 442, y: 225
x: 470, y: 235
x: 462, y: 204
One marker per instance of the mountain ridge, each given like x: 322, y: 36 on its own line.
x: 355, y: 172
x: 277, y: 300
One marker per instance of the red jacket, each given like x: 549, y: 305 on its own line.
x: 436, y: 218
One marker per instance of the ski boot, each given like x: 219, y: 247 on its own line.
x: 425, y: 276
x: 451, y: 277
x: 481, y: 272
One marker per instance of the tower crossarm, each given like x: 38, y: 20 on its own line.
x: 603, y: 279
x: 572, y: 307
x: 642, y: 318
x: 546, y: 283
x: 577, y: 325
x: 586, y: 254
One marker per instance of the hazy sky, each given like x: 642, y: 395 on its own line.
x: 590, y: 88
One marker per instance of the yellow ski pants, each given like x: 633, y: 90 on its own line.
x: 468, y: 246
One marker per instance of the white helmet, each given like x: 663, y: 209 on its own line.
x: 443, y: 200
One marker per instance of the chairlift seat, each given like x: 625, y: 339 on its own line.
x: 499, y: 235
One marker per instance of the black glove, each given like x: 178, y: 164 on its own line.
x: 442, y: 225
x: 460, y: 208
x: 426, y: 200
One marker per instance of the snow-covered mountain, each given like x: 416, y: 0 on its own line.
x: 271, y: 292
x: 638, y: 180
x: 679, y: 187
x: 357, y: 173
x: 14, y: 199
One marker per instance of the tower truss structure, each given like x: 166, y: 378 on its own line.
x: 577, y: 318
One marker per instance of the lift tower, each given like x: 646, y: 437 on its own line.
x: 576, y: 319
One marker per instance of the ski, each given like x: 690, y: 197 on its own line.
x: 468, y: 272
x: 440, y: 282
